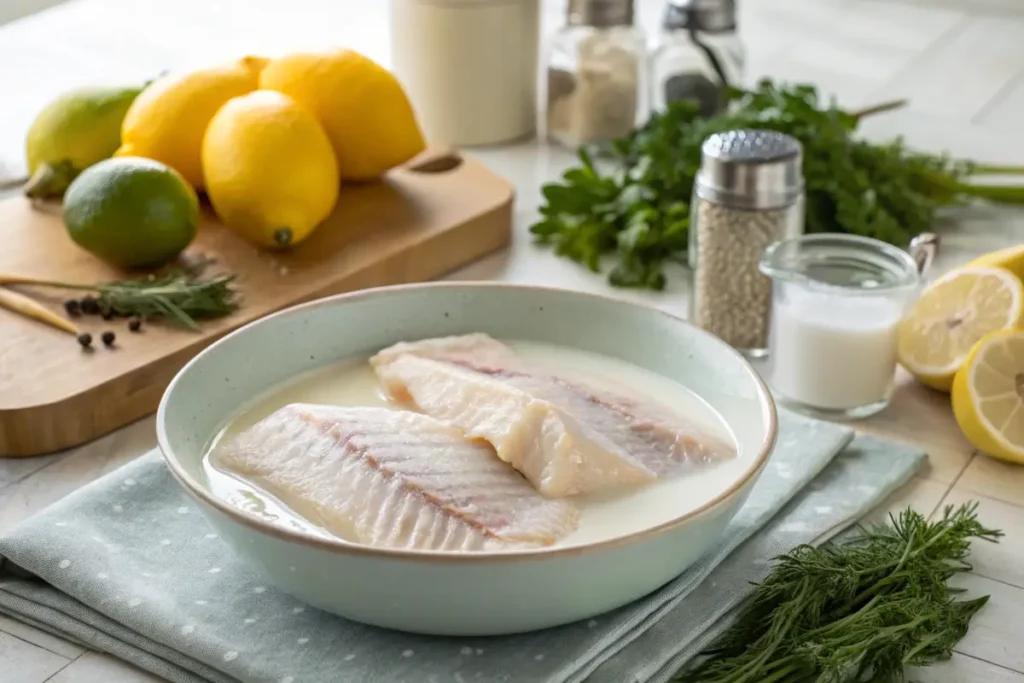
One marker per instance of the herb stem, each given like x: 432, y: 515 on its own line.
x: 1007, y: 194
x: 996, y: 169
x: 781, y: 673
x: 882, y: 108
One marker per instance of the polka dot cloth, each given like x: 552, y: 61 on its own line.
x: 133, y: 554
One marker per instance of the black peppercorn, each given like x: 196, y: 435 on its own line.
x: 89, y: 305
x: 108, y: 338
x: 73, y: 307
x: 107, y: 314
x: 85, y: 340
x: 135, y: 325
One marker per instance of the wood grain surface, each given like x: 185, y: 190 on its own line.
x: 439, y: 212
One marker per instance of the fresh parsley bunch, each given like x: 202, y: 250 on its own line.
x: 632, y: 199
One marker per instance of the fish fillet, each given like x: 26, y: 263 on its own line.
x: 565, y: 437
x: 393, y: 478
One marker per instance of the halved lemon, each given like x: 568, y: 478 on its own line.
x: 988, y: 395
x: 952, y: 315
x: 1010, y: 258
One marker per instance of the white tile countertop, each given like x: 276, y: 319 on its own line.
x: 960, y: 62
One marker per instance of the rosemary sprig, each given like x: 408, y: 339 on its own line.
x: 854, y: 611
x: 178, y: 295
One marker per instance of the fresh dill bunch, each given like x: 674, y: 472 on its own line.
x: 856, y: 611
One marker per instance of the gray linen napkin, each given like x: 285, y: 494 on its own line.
x: 128, y: 565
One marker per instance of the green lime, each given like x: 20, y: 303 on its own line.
x: 131, y: 212
x: 71, y: 133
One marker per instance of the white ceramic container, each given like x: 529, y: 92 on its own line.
x: 462, y: 593
x: 469, y: 66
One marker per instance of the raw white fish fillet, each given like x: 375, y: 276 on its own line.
x: 393, y: 478
x: 565, y: 437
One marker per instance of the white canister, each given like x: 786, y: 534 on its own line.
x: 469, y: 67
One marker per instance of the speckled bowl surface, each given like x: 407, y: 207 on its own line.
x: 462, y: 593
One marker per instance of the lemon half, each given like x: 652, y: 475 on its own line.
x: 988, y: 395
x: 952, y: 315
x: 1010, y: 258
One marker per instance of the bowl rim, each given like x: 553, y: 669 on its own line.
x: 338, y: 545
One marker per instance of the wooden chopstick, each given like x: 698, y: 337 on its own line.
x: 30, y: 308
x: 8, y: 279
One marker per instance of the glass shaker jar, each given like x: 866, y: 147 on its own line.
x: 837, y: 301
x: 596, y: 74
x: 748, y: 195
x: 699, y: 54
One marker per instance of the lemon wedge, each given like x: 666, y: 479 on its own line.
x: 988, y: 395
x: 952, y: 315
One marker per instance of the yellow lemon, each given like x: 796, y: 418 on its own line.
x: 952, y: 314
x: 988, y: 395
x: 167, y: 121
x: 270, y: 171
x: 1011, y: 258
x: 360, y: 104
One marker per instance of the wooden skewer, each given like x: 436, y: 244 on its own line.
x: 9, y: 279
x: 30, y: 308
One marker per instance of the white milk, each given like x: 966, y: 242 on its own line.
x: 352, y: 383
x: 833, y: 352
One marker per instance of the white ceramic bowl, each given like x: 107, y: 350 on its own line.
x: 467, y: 593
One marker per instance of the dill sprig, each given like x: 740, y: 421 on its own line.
x: 856, y: 611
x: 178, y: 295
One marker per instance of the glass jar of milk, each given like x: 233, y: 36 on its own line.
x: 836, y: 304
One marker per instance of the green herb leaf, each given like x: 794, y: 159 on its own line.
x: 883, y: 191
x: 856, y: 611
x: 179, y: 295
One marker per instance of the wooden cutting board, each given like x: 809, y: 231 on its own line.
x: 439, y: 212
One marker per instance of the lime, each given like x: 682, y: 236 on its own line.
x: 131, y: 212
x: 71, y: 133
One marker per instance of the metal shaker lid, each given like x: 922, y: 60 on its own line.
x: 751, y: 169
x: 599, y: 13
x: 709, y: 16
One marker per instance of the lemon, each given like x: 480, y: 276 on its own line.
x: 270, y: 171
x: 168, y: 120
x: 951, y: 315
x: 988, y: 395
x: 71, y: 133
x: 131, y: 212
x: 360, y: 104
x: 1011, y: 258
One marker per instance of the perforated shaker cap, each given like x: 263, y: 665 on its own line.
x: 751, y: 169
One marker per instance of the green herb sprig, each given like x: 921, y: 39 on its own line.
x: 856, y: 611
x: 179, y: 295
x: 636, y: 207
